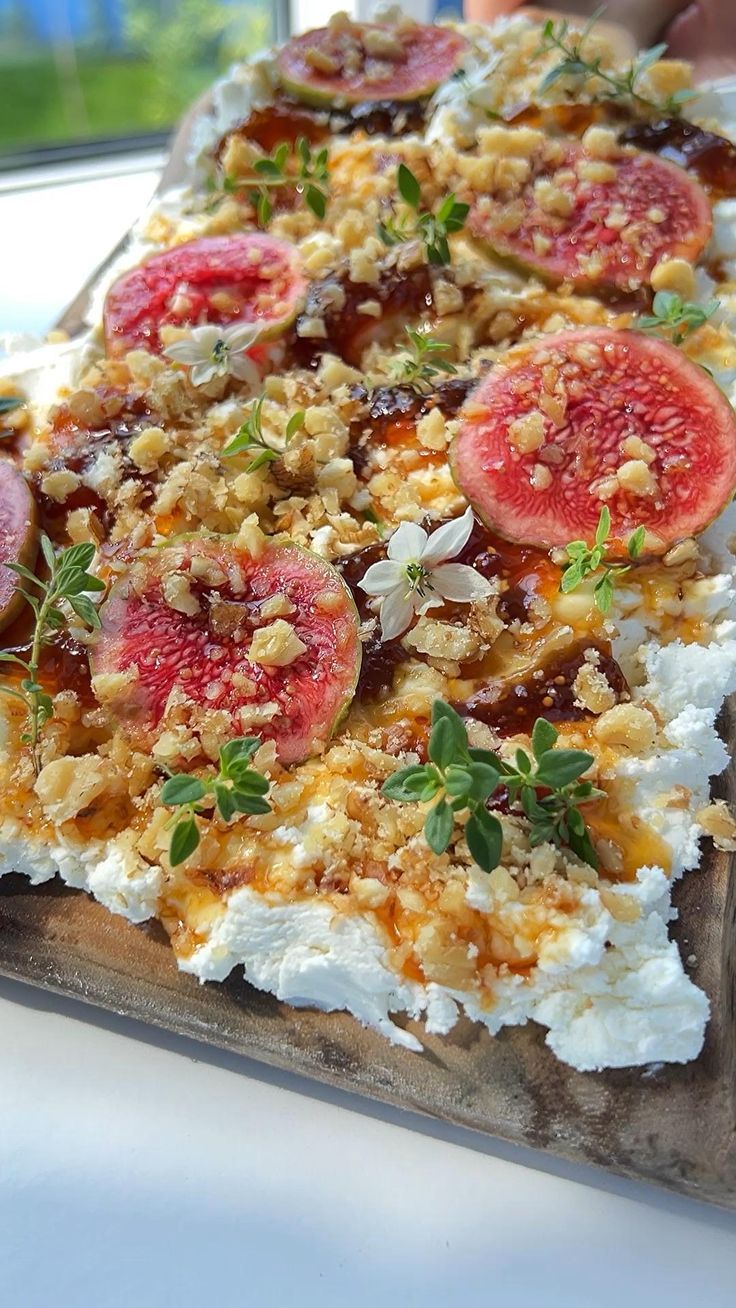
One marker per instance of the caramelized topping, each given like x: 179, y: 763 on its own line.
x: 286, y: 120
x: 547, y: 693
x: 712, y: 158
x: 336, y: 302
x: 393, y: 412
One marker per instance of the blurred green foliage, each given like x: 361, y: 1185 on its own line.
x: 68, y: 94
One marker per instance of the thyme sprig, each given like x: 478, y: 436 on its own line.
x: 584, y: 561
x: 674, y: 318
x: 236, y: 788
x: 431, y: 227
x: 422, y: 360
x: 251, y: 437
x: 461, y: 779
x: 557, y: 36
x: 301, y: 168
x: 68, y: 583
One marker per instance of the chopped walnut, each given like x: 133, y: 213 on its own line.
x: 719, y: 823
x: 527, y: 433
x: 592, y: 690
x: 178, y: 593
x: 674, y: 275
x: 636, y: 478
x: 627, y: 726
x: 442, y: 640
x: 69, y: 785
x: 276, y: 645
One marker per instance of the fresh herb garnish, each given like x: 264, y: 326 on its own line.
x: 462, y: 779
x: 299, y: 168
x: 584, y: 561
x: 422, y: 360
x: 237, y: 788
x: 674, y: 318
x: 70, y: 582
x: 432, y: 228
x: 557, y: 36
x: 250, y: 437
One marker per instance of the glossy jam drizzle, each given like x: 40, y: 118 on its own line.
x: 403, y: 296
x: 287, y: 120
x: 391, y: 413
x: 712, y: 158
x: 114, y: 420
x: 547, y: 692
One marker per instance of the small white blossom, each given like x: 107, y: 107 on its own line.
x: 416, y: 575
x: 217, y: 351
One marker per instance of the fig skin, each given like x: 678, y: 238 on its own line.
x: 18, y: 537
x: 137, y: 305
x: 693, y: 470
x: 199, y: 651
x: 319, y: 90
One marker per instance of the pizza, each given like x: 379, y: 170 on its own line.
x: 367, y: 583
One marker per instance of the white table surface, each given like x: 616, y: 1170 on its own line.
x: 138, y: 1169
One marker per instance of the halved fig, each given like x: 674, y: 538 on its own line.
x: 353, y: 63
x: 202, y: 626
x: 18, y: 536
x: 594, y: 223
x: 566, y: 423
x: 248, y: 277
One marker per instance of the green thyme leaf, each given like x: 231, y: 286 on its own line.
x: 236, y: 788
x: 431, y: 227
x: 544, y: 738
x: 484, y: 835
x: 438, y: 826
x: 182, y: 790
x: 636, y: 543
x: 558, y: 767
x: 584, y: 562
x: 575, y: 63
x: 674, y: 318
x: 464, y: 779
x: 409, y: 188
x: 68, y: 582
x: 184, y: 841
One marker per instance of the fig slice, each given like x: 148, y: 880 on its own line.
x: 356, y: 63
x: 595, y: 223
x: 566, y: 423
x: 248, y: 277
x: 18, y: 536
x: 179, y: 626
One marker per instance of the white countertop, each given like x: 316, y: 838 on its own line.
x: 138, y: 1169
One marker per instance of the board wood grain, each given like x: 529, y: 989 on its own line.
x: 670, y: 1125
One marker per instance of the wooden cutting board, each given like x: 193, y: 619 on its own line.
x: 674, y: 1126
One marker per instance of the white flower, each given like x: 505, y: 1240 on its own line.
x: 213, y: 351
x: 416, y: 575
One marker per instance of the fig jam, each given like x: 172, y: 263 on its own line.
x: 712, y: 158
x: 526, y: 571
x: 336, y: 301
x: 546, y: 693
x: 64, y: 665
x: 76, y: 443
x: 392, y: 413
x: 287, y: 119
